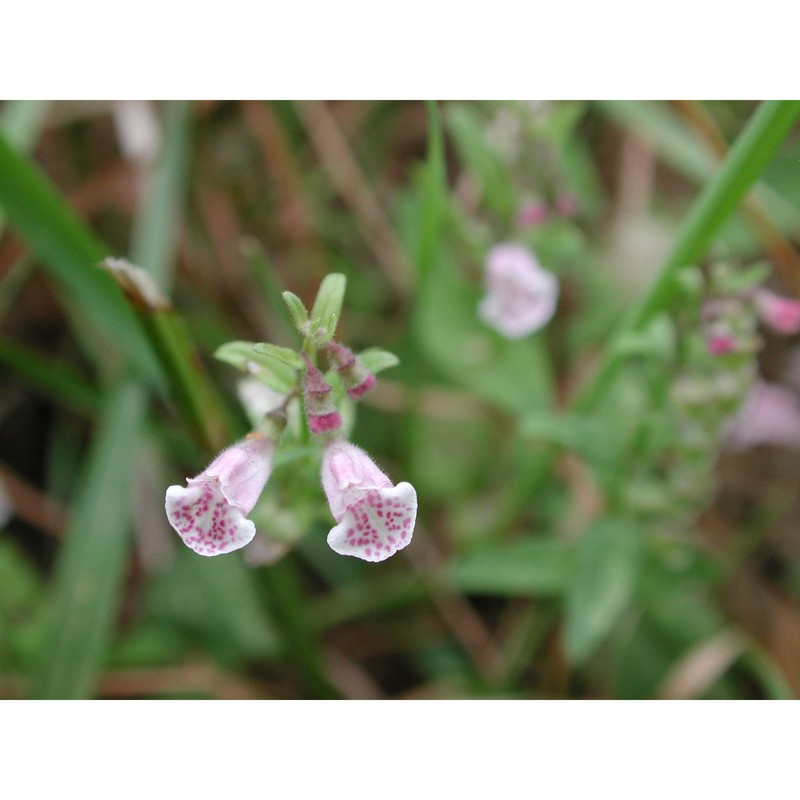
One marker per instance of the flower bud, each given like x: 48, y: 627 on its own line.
x: 356, y: 379
x: 321, y: 413
x: 532, y: 213
x: 567, y: 205
x: 721, y: 344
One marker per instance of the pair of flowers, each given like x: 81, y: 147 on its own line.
x: 374, y: 518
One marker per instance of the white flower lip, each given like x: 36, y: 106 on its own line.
x: 210, y: 512
x: 377, y: 526
x: 375, y: 518
x: 206, y: 522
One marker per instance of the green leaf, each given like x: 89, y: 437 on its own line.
x: 328, y: 306
x: 217, y: 600
x: 589, y: 437
x: 91, y: 564
x: 283, y: 354
x: 538, y: 567
x: 657, y: 340
x: 297, y: 311
x: 608, y: 559
x: 377, y: 360
x: 245, y: 357
x: 739, y: 280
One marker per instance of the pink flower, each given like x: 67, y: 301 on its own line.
x: 375, y: 519
x: 210, y: 512
x: 782, y: 314
x: 567, y: 205
x: 770, y: 414
x: 720, y: 344
x: 532, y: 213
x: 520, y: 296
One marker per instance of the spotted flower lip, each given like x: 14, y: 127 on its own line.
x: 520, y: 296
x: 375, y: 518
x: 210, y: 512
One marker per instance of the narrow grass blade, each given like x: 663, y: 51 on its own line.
x: 752, y: 151
x: 21, y: 122
x: 56, y: 381
x: 156, y: 228
x: 434, y: 195
x: 14, y: 281
x: 90, y: 570
x: 677, y: 145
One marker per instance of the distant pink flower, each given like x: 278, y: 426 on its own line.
x: 210, y: 512
x: 782, y: 314
x: 520, y: 296
x: 567, y: 205
x: 720, y: 344
x: 770, y: 414
x: 375, y: 519
x: 532, y: 213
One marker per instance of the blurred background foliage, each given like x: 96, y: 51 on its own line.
x: 569, y: 543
